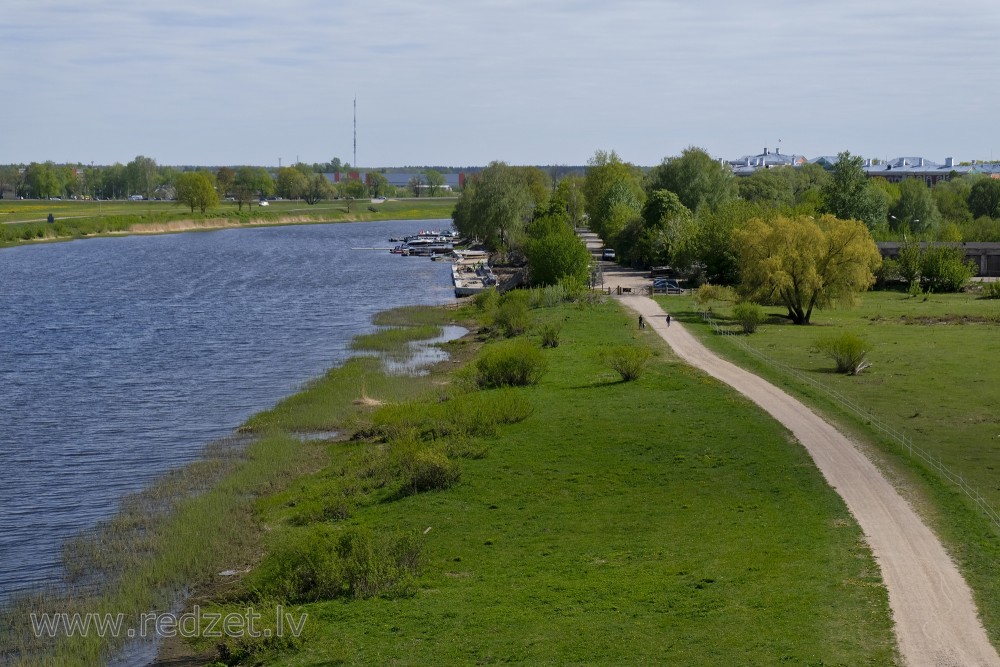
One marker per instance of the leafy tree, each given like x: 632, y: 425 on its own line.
x: 613, y: 193
x: 984, y: 197
x: 695, y: 177
x: 537, y: 182
x: 351, y: 189
x: 494, y: 207
x: 663, y: 234
x: 196, y: 189
x: 41, y: 180
x: 557, y: 256
x: 378, y: 184
x: 251, y: 183
x: 769, y: 186
x: 570, y: 191
x: 292, y: 183
x: 9, y: 177
x: 317, y: 189
x: 435, y: 181
x: 416, y: 184
x: 803, y: 263
x: 554, y: 251
x: 915, y: 210
x: 850, y: 196
x: 716, y: 245
x: 225, y: 178
x: 952, y: 199
x: 142, y: 176
x: 808, y: 182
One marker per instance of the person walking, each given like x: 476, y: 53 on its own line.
x: 668, y: 320
x: 642, y: 323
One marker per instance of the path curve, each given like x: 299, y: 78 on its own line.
x: 935, y: 617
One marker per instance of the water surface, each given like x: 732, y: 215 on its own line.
x: 120, y: 358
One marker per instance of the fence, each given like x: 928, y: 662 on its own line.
x: 894, y: 434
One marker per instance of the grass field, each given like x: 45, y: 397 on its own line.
x: 935, y: 365
x: 583, y: 520
x: 26, y: 221
x: 661, y: 521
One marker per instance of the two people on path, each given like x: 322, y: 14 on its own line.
x: 642, y: 321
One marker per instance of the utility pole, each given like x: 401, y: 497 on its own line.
x: 355, y: 163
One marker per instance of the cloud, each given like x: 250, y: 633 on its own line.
x: 443, y: 81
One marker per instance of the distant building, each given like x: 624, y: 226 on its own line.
x: 748, y: 164
x: 894, y: 170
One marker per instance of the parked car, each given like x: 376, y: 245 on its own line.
x: 608, y: 254
x: 667, y: 285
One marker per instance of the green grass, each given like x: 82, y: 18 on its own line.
x: 25, y: 221
x: 933, y: 377
x: 395, y: 341
x: 660, y: 521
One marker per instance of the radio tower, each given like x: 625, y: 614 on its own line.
x: 355, y: 163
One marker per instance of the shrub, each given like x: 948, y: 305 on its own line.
x: 512, y: 364
x: 486, y: 300
x: 750, y: 315
x: 991, y: 290
x: 848, y: 352
x: 428, y: 470
x: 511, y: 317
x: 547, y: 297
x: 629, y: 361
x: 550, y: 334
x: 945, y: 269
x: 321, y: 563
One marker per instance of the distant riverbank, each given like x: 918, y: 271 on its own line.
x: 25, y: 222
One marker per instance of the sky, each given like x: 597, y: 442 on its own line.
x: 463, y: 83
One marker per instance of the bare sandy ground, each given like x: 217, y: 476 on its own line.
x: 936, y: 620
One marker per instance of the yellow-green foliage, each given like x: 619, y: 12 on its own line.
x: 803, y: 263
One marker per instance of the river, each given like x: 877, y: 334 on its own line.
x: 121, y: 358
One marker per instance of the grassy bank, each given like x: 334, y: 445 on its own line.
x: 933, y: 377
x: 581, y: 520
x: 25, y: 221
x: 198, y: 520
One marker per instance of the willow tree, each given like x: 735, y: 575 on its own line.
x: 802, y: 263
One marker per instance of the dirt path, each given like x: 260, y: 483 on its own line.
x: 936, y: 620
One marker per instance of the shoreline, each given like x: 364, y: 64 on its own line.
x: 398, y: 209
x: 166, y: 500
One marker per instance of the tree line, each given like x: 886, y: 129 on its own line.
x: 800, y: 237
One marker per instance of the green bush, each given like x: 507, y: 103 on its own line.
x: 629, y: 361
x: 429, y: 470
x: 991, y: 290
x: 849, y: 352
x: 512, y: 364
x: 550, y: 334
x: 321, y: 563
x: 547, y: 297
x: 511, y: 316
x: 945, y: 269
x: 486, y: 300
x: 750, y: 316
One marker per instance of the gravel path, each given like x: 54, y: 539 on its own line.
x: 935, y: 617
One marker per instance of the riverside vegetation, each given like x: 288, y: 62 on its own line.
x: 463, y: 522
x: 25, y: 221
x: 931, y: 376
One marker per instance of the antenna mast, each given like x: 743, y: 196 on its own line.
x: 355, y: 163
